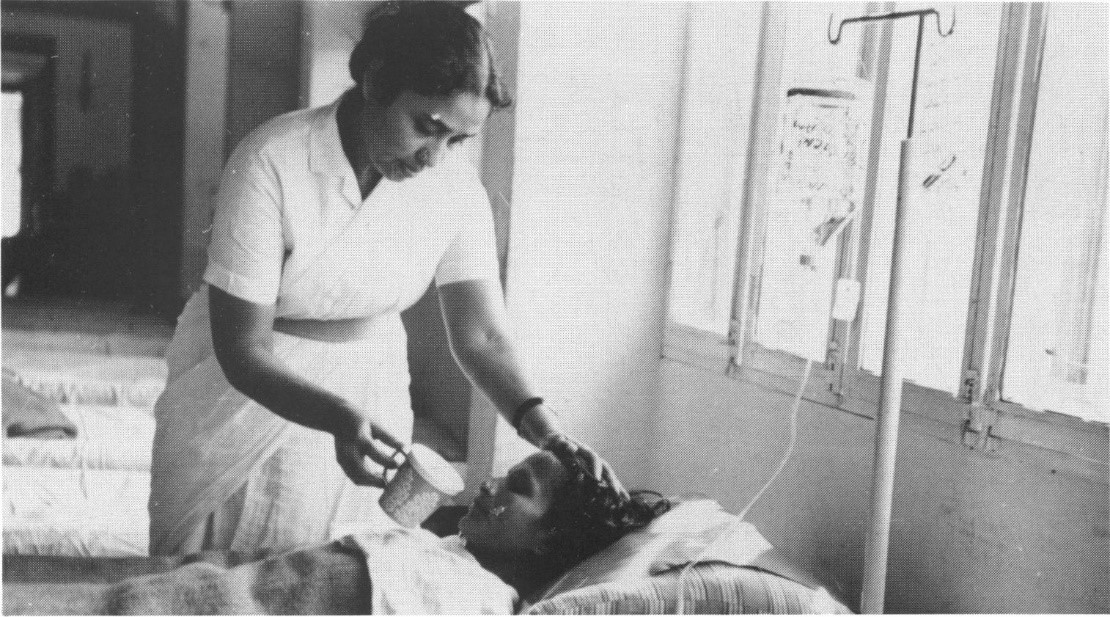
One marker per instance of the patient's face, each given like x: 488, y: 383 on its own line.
x: 505, y: 518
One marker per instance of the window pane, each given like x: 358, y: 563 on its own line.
x: 13, y: 158
x: 950, y: 128
x: 815, y: 180
x: 713, y: 142
x: 1057, y: 354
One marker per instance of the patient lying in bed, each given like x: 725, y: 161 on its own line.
x: 544, y: 517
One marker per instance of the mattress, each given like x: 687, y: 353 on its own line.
x: 75, y: 511
x: 116, y: 343
x: 90, y: 378
x: 108, y: 437
x: 85, y: 496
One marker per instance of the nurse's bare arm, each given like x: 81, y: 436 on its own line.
x: 477, y: 327
x: 243, y: 339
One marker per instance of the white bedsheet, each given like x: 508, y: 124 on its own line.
x: 90, y: 378
x: 81, y: 512
x: 85, y: 496
x: 108, y: 437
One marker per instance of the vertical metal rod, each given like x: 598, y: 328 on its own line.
x: 916, y: 64
x: 890, y: 385
x: 890, y: 405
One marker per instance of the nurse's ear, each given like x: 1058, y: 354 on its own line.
x: 368, y: 86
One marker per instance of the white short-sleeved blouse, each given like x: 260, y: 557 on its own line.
x: 290, y: 226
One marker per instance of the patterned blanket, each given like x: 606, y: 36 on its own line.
x: 327, y: 580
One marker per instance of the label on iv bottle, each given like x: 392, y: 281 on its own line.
x: 846, y: 299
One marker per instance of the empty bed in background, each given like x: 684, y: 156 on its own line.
x: 84, y: 495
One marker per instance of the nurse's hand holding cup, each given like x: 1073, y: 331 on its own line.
x: 416, y: 488
x: 366, y: 451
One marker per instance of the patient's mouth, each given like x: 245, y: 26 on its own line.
x: 486, y: 508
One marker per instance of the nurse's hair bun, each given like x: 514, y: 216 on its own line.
x: 432, y: 48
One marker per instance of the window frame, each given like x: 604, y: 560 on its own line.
x: 979, y: 415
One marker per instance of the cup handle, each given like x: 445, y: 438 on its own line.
x: 404, y: 453
x: 385, y: 472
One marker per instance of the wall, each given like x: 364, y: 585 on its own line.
x: 244, y: 68
x: 97, y: 138
x: 591, y: 200
x: 206, y: 113
x: 330, y: 30
x: 263, y: 78
x: 89, y: 213
x: 159, y: 119
x: 1019, y: 530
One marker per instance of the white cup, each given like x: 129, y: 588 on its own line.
x: 417, y: 486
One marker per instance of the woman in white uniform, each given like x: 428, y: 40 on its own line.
x: 287, y: 396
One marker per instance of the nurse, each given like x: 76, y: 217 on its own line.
x: 287, y: 396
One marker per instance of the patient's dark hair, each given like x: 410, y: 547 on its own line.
x: 587, y: 515
x: 432, y: 48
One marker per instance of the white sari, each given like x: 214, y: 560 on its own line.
x: 291, y: 229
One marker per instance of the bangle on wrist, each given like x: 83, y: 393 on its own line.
x: 522, y: 409
x: 551, y: 438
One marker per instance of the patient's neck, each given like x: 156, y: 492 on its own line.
x: 526, y: 574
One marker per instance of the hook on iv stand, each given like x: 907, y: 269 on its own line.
x: 896, y: 15
x: 890, y: 386
x: 920, y: 14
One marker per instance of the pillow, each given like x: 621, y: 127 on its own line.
x: 709, y: 589
x: 27, y: 413
x: 692, y: 530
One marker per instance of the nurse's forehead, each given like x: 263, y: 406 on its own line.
x: 459, y: 112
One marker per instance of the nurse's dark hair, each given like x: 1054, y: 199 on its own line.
x: 587, y: 515
x: 430, y: 47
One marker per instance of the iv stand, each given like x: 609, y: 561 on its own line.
x: 890, y: 384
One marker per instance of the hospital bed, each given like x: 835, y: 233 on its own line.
x: 697, y: 552
x: 75, y: 509
x: 82, y: 493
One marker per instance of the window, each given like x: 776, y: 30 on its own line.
x: 814, y: 185
x: 13, y: 160
x: 724, y: 47
x: 1057, y: 353
x: 782, y: 254
x: 953, y: 115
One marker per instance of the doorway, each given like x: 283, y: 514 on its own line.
x: 94, y: 107
x: 28, y: 149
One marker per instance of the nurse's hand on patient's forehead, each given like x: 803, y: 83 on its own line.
x: 593, y: 463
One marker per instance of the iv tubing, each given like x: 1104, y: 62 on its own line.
x: 680, y: 606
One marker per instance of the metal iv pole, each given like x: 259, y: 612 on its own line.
x: 890, y: 384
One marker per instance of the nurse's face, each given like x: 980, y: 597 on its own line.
x: 410, y: 134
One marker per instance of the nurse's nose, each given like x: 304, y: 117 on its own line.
x: 428, y: 156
